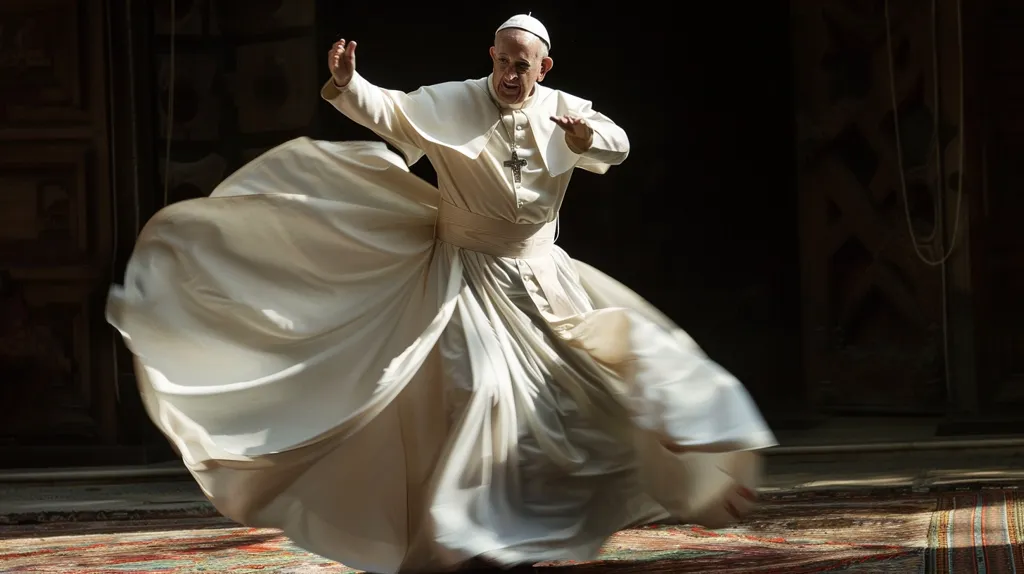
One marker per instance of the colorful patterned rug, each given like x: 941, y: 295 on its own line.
x: 892, y: 531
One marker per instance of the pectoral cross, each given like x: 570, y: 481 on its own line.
x: 517, y: 166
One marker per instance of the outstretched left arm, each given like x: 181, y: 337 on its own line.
x: 599, y: 142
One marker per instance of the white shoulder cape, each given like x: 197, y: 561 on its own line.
x: 429, y: 110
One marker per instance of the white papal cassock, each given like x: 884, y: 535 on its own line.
x: 404, y: 377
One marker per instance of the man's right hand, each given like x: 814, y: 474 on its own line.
x: 341, y: 61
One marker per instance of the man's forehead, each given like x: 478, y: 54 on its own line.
x: 517, y: 42
x: 521, y: 56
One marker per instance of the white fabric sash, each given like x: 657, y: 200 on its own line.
x: 496, y: 237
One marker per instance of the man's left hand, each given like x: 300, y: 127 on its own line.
x: 578, y: 134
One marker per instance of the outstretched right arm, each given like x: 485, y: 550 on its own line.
x: 366, y: 104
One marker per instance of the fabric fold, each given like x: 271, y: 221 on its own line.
x: 326, y: 366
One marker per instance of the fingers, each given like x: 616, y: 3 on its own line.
x: 341, y: 51
x: 564, y: 122
x: 568, y: 122
x: 577, y: 127
x: 334, y: 54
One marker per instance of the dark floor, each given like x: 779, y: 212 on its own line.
x: 119, y: 491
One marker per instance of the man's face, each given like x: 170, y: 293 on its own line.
x: 519, y: 63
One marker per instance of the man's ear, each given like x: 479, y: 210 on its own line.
x: 492, y: 52
x: 545, y: 66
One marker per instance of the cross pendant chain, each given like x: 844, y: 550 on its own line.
x: 517, y: 166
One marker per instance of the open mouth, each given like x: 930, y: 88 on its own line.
x: 509, y: 86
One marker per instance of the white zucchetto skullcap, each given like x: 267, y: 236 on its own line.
x: 528, y: 23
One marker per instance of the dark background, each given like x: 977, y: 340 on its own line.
x: 711, y: 238
x: 702, y: 218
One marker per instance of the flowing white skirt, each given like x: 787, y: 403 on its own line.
x: 398, y: 404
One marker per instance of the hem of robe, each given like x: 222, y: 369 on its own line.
x: 203, y: 314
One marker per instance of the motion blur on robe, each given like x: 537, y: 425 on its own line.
x: 409, y: 378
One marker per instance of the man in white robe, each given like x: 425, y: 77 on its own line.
x: 411, y: 379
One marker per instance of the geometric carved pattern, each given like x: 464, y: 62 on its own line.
x: 39, y: 82
x: 872, y: 317
x: 44, y: 215
x: 272, y: 83
x: 247, y: 76
x: 56, y: 226
x: 197, y: 107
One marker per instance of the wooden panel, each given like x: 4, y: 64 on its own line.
x: 40, y: 76
x: 48, y: 384
x: 45, y: 194
x: 872, y: 308
x: 197, y: 110
x: 56, y: 231
x: 249, y: 80
x: 273, y: 81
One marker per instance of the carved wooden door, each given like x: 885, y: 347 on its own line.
x: 872, y: 317
x: 57, y: 387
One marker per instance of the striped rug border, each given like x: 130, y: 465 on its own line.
x: 978, y: 531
